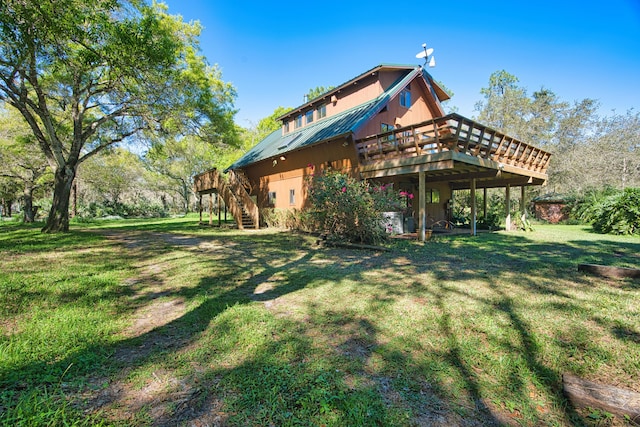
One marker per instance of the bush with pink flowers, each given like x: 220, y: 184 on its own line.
x: 350, y: 210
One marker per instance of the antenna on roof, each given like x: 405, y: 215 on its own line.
x: 427, y: 54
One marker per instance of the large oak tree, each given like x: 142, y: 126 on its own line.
x: 87, y: 75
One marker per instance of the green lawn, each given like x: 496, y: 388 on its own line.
x: 163, y: 322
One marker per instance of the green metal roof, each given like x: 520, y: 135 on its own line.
x: 342, y: 124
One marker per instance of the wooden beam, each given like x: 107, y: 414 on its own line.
x: 407, y: 170
x: 609, y: 271
x: 465, y: 176
x: 507, y: 206
x: 588, y: 394
x: 422, y: 201
x: 474, y: 213
x: 210, y: 208
x: 407, y: 161
x: 496, y: 183
x: 484, y: 203
x: 523, y: 205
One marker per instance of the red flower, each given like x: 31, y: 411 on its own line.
x: 344, y: 189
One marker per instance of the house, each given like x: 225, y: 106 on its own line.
x: 387, y: 124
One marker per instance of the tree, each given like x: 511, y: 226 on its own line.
x: 317, y: 91
x: 546, y: 121
x: 180, y: 160
x: 9, y: 190
x: 112, y: 173
x: 21, y: 164
x: 87, y: 75
x: 506, y: 105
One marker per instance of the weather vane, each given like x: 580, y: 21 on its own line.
x: 427, y: 54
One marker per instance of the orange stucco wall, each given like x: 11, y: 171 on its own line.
x: 282, y: 176
x: 369, y: 88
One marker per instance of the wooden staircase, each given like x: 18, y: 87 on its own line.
x: 236, y: 198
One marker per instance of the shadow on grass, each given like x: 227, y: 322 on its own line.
x: 337, y: 367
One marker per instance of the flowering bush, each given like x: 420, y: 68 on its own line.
x: 349, y: 209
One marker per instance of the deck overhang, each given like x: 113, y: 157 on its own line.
x: 453, y: 149
x: 457, y: 169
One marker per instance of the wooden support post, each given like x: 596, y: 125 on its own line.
x: 507, y: 206
x: 210, y: 208
x: 484, y: 204
x: 200, y: 206
x: 474, y: 214
x: 422, y: 194
x: 523, y: 205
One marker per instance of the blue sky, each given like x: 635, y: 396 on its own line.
x: 274, y: 53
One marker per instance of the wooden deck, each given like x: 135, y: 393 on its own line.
x: 244, y: 210
x: 452, y: 134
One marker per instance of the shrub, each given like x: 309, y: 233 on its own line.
x: 143, y: 209
x: 350, y: 210
x: 618, y: 213
x: 292, y: 219
x: 584, y: 207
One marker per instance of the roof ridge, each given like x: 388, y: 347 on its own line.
x: 347, y: 83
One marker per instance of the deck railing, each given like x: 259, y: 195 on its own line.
x: 452, y: 132
x: 206, y: 181
x: 233, y: 193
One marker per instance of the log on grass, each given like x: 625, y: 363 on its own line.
x: 353, y: 246
x: 609, y: 271
x: 588, y: 394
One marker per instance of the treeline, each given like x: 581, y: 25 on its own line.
x: 596, y: 159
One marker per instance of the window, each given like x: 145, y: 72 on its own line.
x: 292, y: 197
x: 322, y: 111
x: 309, y: 116
x: 386, y: 128
x: 272, y: 198
x: 432, y: 195
x: 286, y: 126
x: 405, y: 98
x: 298, y: 122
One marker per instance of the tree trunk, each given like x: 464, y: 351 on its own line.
x: 28, y: 213
x: 58, y: 220
x: 186, y: 192
x: 6, y: 207
x: 74, y: 211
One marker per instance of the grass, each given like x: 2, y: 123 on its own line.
x: 165, y: 322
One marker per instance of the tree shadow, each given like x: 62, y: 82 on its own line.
x: 340, y: 362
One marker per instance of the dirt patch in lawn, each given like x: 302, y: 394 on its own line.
x: 161, y: 398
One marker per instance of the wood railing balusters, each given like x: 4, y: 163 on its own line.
x: 452, y: 132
